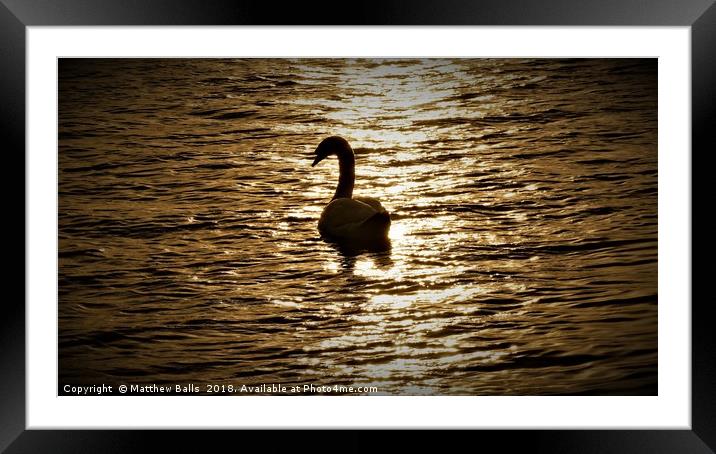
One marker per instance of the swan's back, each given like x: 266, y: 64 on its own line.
x: 356, y: 218
x: 374, y: 203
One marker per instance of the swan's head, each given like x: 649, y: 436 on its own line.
x: 330, y: 146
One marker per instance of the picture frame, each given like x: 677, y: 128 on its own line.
x: 700, y: 15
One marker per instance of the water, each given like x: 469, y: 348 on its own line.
x: 524, y: 239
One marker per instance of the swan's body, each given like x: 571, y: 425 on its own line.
x: 353, y: 220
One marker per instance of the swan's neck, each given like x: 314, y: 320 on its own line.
x: 347, y: 174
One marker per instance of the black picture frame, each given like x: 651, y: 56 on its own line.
x: 700, y: 15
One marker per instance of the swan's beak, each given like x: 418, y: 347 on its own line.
x: 318, y: 159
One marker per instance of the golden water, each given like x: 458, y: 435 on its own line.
x: 524, y: 239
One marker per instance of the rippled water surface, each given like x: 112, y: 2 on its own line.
x: 523, y: 195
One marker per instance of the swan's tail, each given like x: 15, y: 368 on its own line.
x: 379, y: 223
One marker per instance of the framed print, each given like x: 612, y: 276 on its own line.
x: 476, y: 218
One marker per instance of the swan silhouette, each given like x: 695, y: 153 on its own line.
x: 360, y: 222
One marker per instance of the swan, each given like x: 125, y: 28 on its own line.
x: 357, y: 221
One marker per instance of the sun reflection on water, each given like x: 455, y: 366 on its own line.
x: 448, y: 295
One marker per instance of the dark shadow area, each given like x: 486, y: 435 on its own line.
x: 355, y: 248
